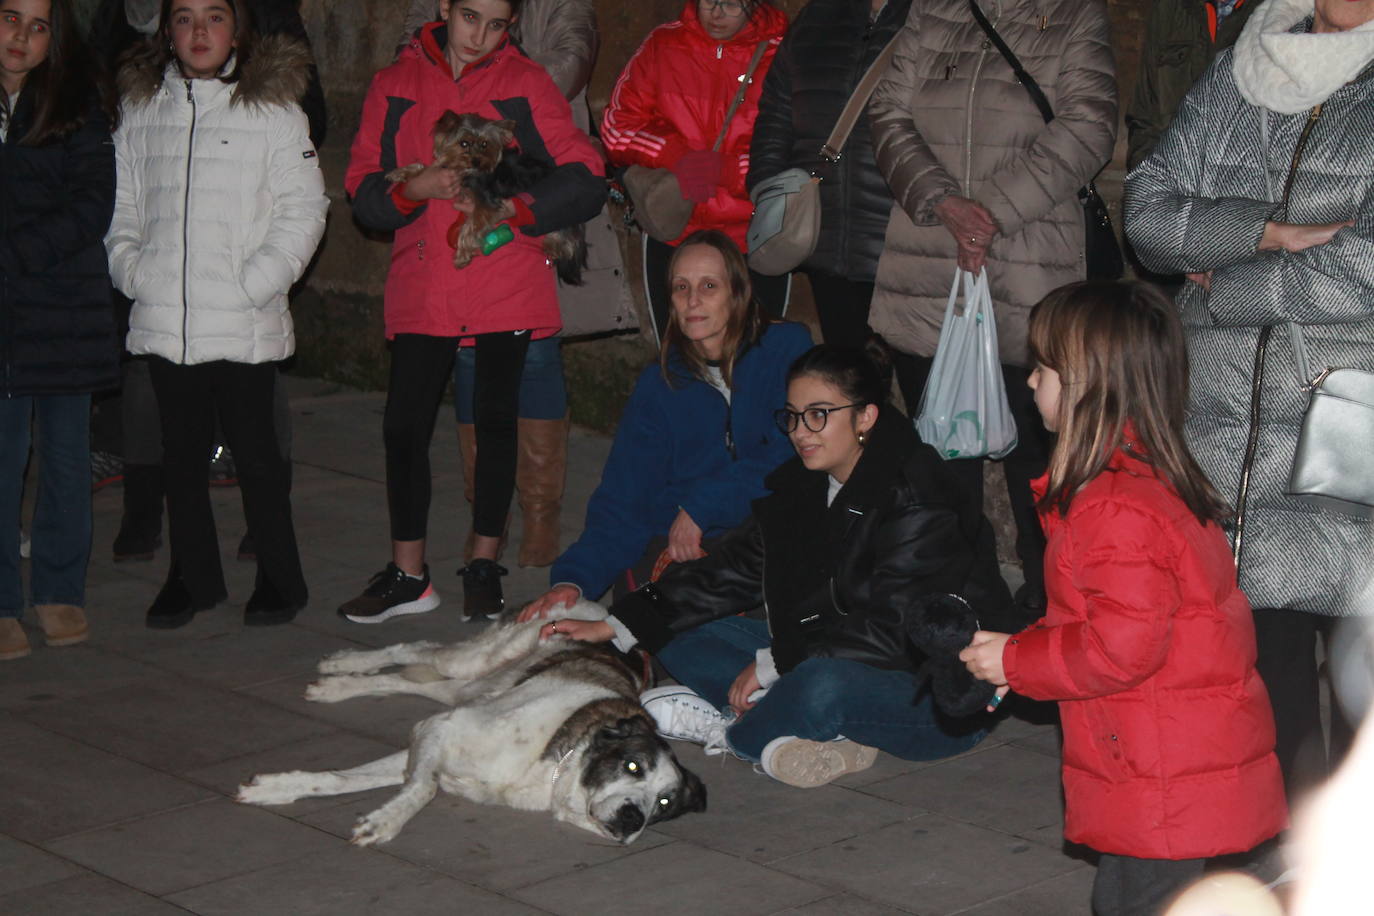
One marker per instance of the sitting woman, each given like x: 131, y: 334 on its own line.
x: 861, y: 530
x: 697, y: 437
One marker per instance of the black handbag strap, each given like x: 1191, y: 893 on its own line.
x: 1024, y: 78
x: 744, y: 82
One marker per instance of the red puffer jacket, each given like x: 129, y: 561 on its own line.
x: 1150, y: 648
x: 672, y: 96
x: 514, y: 288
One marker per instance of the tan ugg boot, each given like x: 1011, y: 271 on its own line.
x: 63, y: 624
x: 467, y: 448
x: 540, y: 472
x: 14, y: 643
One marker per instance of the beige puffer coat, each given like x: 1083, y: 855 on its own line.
x: 950, y: 118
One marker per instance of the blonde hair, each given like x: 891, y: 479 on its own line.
x: 1121, y: 355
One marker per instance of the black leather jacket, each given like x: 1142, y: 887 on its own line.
x: 844, y: 581
x: 825, y: 53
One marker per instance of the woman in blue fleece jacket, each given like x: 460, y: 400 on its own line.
x: 697, y: 436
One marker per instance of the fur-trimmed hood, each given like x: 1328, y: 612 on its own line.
x: 278, y: 73
x: 1291, y: 71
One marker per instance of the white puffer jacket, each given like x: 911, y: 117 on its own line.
x: 219, y: 207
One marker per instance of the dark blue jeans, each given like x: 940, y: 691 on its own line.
x: 62, y: 518
x: 819, y: 699
x: 543, y: 392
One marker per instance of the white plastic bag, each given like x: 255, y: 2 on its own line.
x: 964, y: 411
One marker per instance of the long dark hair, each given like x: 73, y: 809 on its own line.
x: 1121, y: 357
x: 63, y: 85
x: 155, y: 52
x: 744, y: 327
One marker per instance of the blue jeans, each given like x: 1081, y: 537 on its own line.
x: 543, y: 391
x: 820, y: 699
x: 62, y: 518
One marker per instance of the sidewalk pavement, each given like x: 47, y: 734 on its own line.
x: 119, y: 758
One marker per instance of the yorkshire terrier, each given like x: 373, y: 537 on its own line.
x: 492, y: 171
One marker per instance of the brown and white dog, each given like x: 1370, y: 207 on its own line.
x: 492, y: 171
x: 546, y: 726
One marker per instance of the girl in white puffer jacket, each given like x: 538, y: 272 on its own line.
x: 219, y: 207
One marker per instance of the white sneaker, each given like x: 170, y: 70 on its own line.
x: 807, y: 764
x: 683, y: 715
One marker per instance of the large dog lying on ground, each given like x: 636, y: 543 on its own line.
x: 545, y: 726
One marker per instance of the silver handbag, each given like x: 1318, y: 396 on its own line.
x: 1332, y: 466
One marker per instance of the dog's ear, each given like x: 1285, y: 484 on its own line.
x: 628, y: 727
x: 448, y: 122
x: 507, y: 129
x: 692, y: 796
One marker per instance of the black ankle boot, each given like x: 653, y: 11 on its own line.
x: 140, y: 527
x: 482, y: 589
x: 172, y: 607
x: 267, y: 606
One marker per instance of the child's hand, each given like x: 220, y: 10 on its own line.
x: 983, y: 657
x: 434, y: 182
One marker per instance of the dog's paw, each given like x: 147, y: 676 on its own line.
x: 346, y: 661
x: 405, y: 173
x: 332, y: 689
x: 374, y: 828
x: 272, y: 789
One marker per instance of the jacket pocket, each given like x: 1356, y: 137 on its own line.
x: 1107, y: 742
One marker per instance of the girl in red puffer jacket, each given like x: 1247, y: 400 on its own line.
x: 1147, y: 643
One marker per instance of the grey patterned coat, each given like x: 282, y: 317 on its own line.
x: 1199, y: 203
x: 950, y: 118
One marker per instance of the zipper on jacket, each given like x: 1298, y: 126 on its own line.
x: 186, y: 230
x: 1247, y: 464
x: 968, y: 107
x: 720, y: 51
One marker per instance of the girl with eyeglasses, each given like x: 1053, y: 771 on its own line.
x: 862, y: 528
x: 668, y: 107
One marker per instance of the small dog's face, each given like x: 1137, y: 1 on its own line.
x: 633, y: 780
x: 470, y: 142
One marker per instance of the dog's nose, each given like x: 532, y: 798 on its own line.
x: 629, y: 820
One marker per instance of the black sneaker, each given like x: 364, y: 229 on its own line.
x: 389, y: 594
x: 223, y: 471
x: 482, y: 589
x: 106, y: 468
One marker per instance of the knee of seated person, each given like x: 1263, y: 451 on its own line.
x: 818, y: 683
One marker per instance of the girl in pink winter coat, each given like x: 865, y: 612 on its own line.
x: 499, y: 302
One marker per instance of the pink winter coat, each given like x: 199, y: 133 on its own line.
x: 514, y: 288
x: 1149, y: 646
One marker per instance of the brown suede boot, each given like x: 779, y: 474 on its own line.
x: 540, y: 472
x: 467, y: 448
x: 63, y: 624
x: 14, y: 643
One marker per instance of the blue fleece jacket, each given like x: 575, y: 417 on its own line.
x: 672, y: 451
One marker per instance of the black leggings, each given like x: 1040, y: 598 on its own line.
x: 420, y: 369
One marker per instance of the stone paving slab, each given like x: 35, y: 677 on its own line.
x: 933, y: 865
x: 119, y: 758
x: 687, y: 879
x: 54, y: 786
x: 345, y: 881
x: 190, y: 846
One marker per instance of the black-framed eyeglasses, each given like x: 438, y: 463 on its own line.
x: 728, y: 7
x: 813, y: 418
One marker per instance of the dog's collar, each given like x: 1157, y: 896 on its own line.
x: 558, y: 767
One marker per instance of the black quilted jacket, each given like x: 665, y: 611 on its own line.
x: 844, y: 581
x: 824, y: 55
